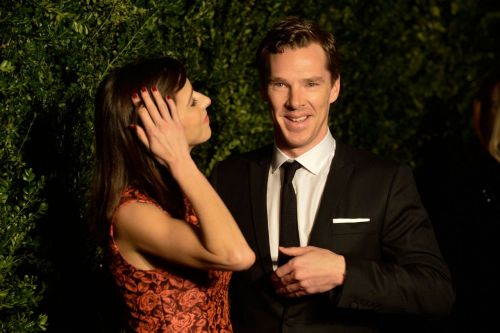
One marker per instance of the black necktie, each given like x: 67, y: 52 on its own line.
x: 289, y: 231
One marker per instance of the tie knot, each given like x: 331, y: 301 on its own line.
x: 289, y: 168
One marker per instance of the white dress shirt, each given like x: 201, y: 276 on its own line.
x: 308, y: 182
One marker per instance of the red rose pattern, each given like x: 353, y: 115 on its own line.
x: 164, y: 301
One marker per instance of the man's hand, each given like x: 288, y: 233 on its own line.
x: 312, y: 270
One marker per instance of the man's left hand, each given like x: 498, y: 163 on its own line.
x: 311, y: 270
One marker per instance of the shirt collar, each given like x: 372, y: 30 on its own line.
x: 313, y: 160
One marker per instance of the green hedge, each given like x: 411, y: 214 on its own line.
x: 409, y: 71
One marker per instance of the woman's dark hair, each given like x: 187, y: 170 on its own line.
x: 121, y: 159
x: 294, y: 32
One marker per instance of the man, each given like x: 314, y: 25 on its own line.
x: 466, y: 211
x: 365, y: 257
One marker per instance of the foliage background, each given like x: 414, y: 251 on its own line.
x: 410, y: 69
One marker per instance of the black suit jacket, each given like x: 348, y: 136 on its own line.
x: 395, y: 271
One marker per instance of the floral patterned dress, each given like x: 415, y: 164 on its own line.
x: 171, y: 298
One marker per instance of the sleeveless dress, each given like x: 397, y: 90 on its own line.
x: 171, y: 298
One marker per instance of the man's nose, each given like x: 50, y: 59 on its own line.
x: 295, y: 98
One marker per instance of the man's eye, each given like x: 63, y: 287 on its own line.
x: 194, y: 102
x: 278, y: 84
x: 312, y: 84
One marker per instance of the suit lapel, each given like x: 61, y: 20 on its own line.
x: 336, y: 182
x: 259, y: 170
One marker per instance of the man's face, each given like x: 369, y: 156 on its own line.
x: 300, y: 91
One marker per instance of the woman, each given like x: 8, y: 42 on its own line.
x: 172, y: 241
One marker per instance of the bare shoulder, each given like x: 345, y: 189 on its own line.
x: 135, y: 217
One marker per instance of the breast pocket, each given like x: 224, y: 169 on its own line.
x: 352, y: 225
x: 356, y: 238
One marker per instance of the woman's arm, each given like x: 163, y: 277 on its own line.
x: 218, y: 243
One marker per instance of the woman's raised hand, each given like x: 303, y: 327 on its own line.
x: 162, y: 132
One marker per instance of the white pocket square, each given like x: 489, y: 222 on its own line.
x: 358, y: 220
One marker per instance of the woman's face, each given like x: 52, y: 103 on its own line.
x: 192, y: 107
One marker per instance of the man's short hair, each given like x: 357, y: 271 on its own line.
x: 295, y: 32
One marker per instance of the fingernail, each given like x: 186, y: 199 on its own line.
x: 168, y: 97
x: 132, y: 126
x: 153, y: 88
x: 135, y: 96
x: 143, y: 88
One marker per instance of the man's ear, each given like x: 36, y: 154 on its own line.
x: 476, y: 122
x: 334, y: 93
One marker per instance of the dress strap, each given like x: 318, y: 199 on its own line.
x: 190, y: 215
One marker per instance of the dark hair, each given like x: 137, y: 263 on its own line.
x: 294, y: 32
x: 121, y: 159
